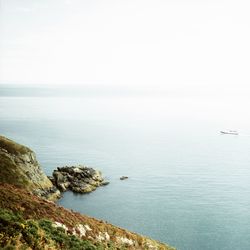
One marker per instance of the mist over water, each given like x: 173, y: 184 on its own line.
x: 188, y: 185
x: 157, y: 82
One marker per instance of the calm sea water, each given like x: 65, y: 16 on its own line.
x: 188, y: 185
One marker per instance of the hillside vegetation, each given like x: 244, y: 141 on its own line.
x: 30, y: 222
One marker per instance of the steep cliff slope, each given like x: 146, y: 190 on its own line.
x: 18, y: 166
x: 29, y: 221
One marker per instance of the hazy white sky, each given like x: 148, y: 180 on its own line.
x: 169, y: 44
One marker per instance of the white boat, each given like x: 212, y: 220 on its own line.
x: 229, y: 132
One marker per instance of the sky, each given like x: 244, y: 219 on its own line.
x: 173, y: 45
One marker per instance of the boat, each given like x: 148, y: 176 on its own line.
x: 229, y: 132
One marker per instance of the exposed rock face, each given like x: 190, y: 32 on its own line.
x: 79, y: 179
x: 18, y: 166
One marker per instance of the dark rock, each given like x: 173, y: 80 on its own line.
x: 123, y: 178
x: 79, y: 179
x: 51, y: 193
x: 51, y: 178
x: 104, y: 183
x: 59, y: 177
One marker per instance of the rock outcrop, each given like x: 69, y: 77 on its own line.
x: 18, y: 166
x: 79, y: 179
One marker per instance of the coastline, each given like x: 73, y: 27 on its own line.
x: 20, y: 195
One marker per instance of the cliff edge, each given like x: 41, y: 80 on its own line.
x: 28, y: 221
x: 18, y: 166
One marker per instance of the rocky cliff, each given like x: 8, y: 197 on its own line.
x: 28, y: 221
x: 18, y: 166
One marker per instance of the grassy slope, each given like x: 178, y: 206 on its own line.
x: 8, y: 168
x: 12, y: 163
x: 13, y: 147
x: 10, y: 173
x: 18, y: 233
x: 36, y: 209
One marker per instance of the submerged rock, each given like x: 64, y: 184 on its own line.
x: 79, y: 179
x: 105, y: 183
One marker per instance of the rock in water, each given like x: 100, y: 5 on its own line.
x: 79, y: 179
x: 18, y: 166
x: 123, y: 178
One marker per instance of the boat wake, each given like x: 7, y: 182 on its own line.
x: 229, y: 132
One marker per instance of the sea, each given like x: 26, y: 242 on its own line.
x: 188, y: 185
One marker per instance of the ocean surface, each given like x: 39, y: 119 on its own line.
x: 188, y: 186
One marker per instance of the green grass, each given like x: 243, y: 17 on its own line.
x: 38, y: 214
x: 36, y: 234
x: 10, y: 173
x: 9, y: 170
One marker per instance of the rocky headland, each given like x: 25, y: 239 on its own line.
x: 19, y: 166
x: 30, y: 220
